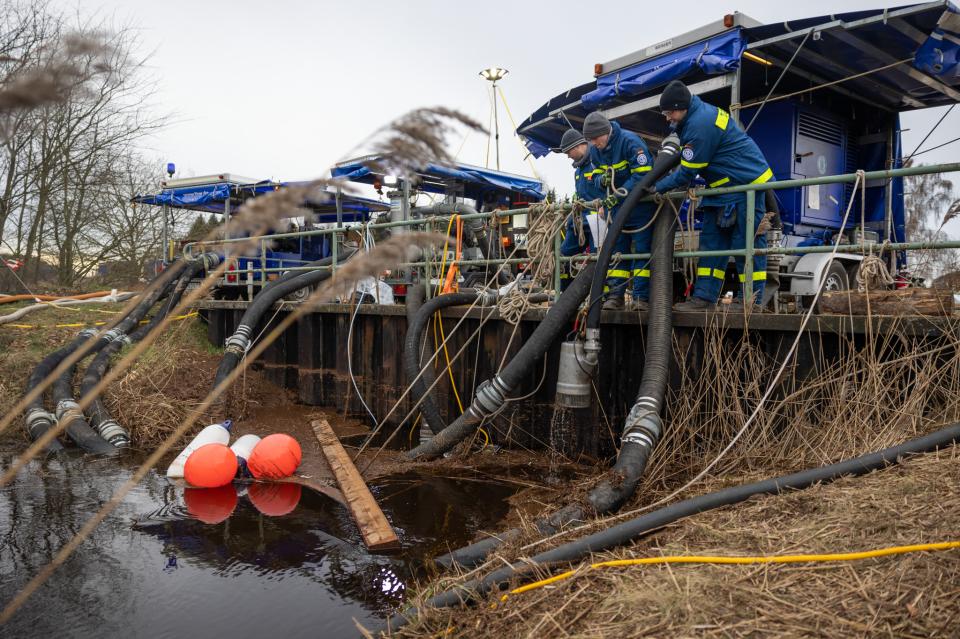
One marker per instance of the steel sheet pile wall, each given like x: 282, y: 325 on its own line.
x: 311, y: 359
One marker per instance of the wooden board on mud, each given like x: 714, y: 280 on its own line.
x: 908, y: 301
x: 376, y: 530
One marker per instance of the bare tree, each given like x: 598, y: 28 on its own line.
x: 74, y: 101
x: 930, y: 203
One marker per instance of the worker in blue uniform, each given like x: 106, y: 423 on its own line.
x: 575, y: 147
x: 621, y: 159
x: 717, y: 149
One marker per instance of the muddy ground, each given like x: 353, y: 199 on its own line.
x: 915, y: 595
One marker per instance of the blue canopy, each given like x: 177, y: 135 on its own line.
x: 205, y: 197
x: 210, y: 198
x: 476, y: 181
x: 719, y: 54
x: 904, y: 58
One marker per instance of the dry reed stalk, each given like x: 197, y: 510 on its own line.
x: 64, y: 68
x: 418, y: 138
x: 908, y: 595
x: 363, y: 266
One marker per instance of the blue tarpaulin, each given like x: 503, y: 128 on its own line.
x: 859, y: 43
x: 206, y: 197
x: 939, y: 56
x: 719, y: 54
x: 210, y: 198
x: 476, y: 180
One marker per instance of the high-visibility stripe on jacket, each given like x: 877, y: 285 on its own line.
x: 716, y: 148
x: 628, y: 157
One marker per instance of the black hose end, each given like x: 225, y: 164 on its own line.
x: 632, y: 461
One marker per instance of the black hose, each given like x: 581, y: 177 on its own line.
x: 238, y: 343
x: 492, y: 394
x: 642, y: 428
x: 667, y: 158
x: 99, y: 417
x: 67, y: 407
x: 635, y: 528
x: 411, y: 353
x: 773, y: 206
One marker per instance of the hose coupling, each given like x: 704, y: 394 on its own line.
x: 39, y: 421
x: 642, y: 426
x: 112, y: 334
x: 88, y: 332
x: 68, y: 407
x: 591, y: 349
x: 239, y: 342
x: 114, y: 433
x: 210, y: 261
x: 487, y: 297
x: 491, y: 396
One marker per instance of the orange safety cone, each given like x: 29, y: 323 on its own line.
x: 274, y: 499
x: 210, y: 505
x: 210, y: 466
x: 275, y: 457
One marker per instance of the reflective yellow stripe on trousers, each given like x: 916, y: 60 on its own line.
x: 618, y: 273
x: 758, y: 276
x: 707, y: 272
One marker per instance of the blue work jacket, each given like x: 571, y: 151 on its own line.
x: 717, y: 149
x: 629, y: 158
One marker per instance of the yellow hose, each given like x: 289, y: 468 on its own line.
x: 763, y: 559
x: 438, y: 321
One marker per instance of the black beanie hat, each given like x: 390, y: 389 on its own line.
x: 675, y: 97
x: 571, y: 138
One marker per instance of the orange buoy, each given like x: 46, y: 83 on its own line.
x: 210, y: 466
x: 275, y: 457
x: 210, y: 505
x: 274, y: 499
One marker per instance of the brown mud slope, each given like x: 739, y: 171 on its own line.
x: 912, y: 595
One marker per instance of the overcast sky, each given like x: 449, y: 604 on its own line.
x: 284, y: 89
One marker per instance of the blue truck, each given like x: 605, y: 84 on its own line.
x: 821, y: 96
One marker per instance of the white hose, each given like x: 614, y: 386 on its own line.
x: 17, y: 314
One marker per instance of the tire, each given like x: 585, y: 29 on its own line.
x: 834, y: 279
x: 300, y: 294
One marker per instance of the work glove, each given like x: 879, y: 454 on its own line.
x: 611, y: 201
x: 650, y: 189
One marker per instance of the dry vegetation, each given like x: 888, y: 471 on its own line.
x: 153, y: 396
x: 853, y: 400
x: 915, y: 595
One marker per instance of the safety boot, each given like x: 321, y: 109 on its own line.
x: 693, y: 304
x: 639, y: 305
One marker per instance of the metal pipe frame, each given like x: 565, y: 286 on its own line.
x: 748, y: 252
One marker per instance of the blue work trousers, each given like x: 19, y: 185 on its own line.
x: 571, y: 246
x: 631, y: 241
x: 711, y: 270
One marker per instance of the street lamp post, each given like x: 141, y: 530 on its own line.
x: 493, y: 74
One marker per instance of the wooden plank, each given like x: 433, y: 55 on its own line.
x: 376, y: 530
x: 908, y: 301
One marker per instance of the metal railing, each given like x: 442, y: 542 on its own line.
x: 748, y: 252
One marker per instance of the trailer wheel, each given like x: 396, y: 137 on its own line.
x: 835, y: 279
x: 300, y: 294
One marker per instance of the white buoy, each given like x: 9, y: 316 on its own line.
x: 242, y: 448
x: 212, y: 434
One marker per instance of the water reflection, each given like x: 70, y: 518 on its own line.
x: 261, y: 559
